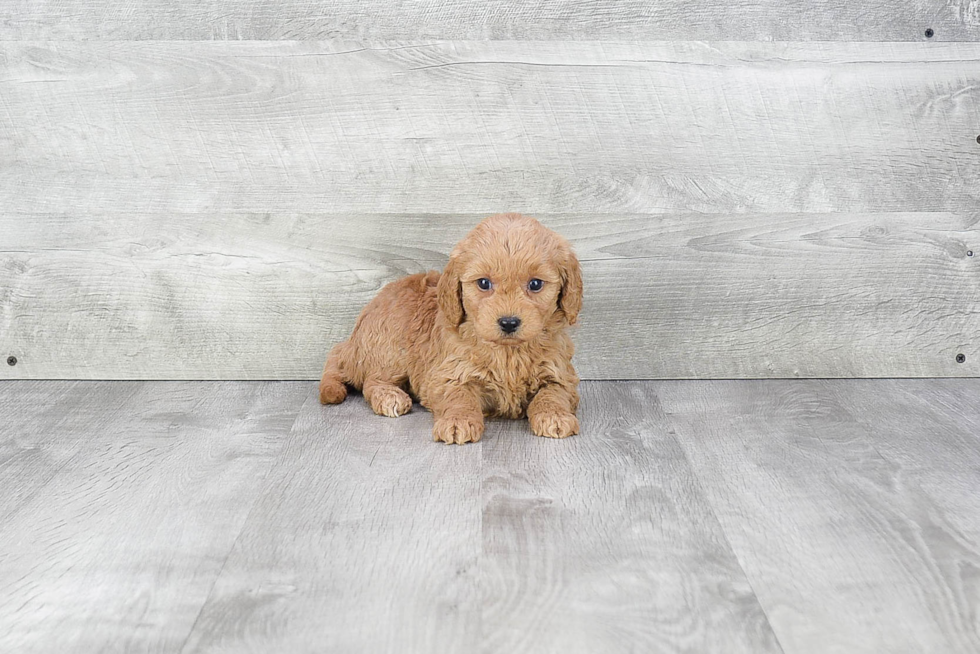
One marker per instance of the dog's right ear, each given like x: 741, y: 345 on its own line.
x: 449, y: 292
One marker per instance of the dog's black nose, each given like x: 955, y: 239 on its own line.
x: 509, y: 324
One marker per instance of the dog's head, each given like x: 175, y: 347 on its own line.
x: 510, y: 277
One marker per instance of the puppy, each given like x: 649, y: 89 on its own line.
x: 487, y: 337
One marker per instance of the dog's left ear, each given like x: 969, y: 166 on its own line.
x: 449, y: 294
x: 570, y: 298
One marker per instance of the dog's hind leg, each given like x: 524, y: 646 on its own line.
x: 333, y: 389
x: 386, y: 398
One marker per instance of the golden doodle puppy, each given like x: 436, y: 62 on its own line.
x: 487, y: 337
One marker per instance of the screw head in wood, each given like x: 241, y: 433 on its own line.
x: 978, y: 138
x: 929, y: 33
x: 969, y: 253
x: 960, y: 358
x: 11, y: 361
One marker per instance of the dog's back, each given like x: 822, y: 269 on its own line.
x: 387, y: 333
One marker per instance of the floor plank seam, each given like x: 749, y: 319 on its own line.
x: 231, y: 550
x: 721, y: 529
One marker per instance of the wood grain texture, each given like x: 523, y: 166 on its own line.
x: 835, y: 498
x: 177, y: 210
x: 264, y: 296
x: 737, y: 20
x: 604, y: 542
x: 42, y: 427
x: 366, y: 539
x: 939, y: 488
x: 145, y: 488
x: 800, y: 516
x: 481, y: 127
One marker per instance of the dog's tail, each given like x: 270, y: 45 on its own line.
x: 332, y: 387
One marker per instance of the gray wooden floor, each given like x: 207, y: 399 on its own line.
x: 725, y: 516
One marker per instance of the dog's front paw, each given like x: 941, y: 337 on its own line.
x: 390, y: 401
x: 453, y: 429
x: 554, y: 425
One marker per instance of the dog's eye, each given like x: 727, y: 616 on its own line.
x: 535, y: 285
x: 484, y: 284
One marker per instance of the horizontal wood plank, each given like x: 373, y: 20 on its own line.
x: 482, y: 127
x: 742, y: 20
x: 264, y: 296
x: 223, y: 210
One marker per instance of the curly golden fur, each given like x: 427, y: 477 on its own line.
x: 480, y: 339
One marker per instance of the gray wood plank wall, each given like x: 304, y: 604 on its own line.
x: 717, y: 20
x: 200, y: 207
